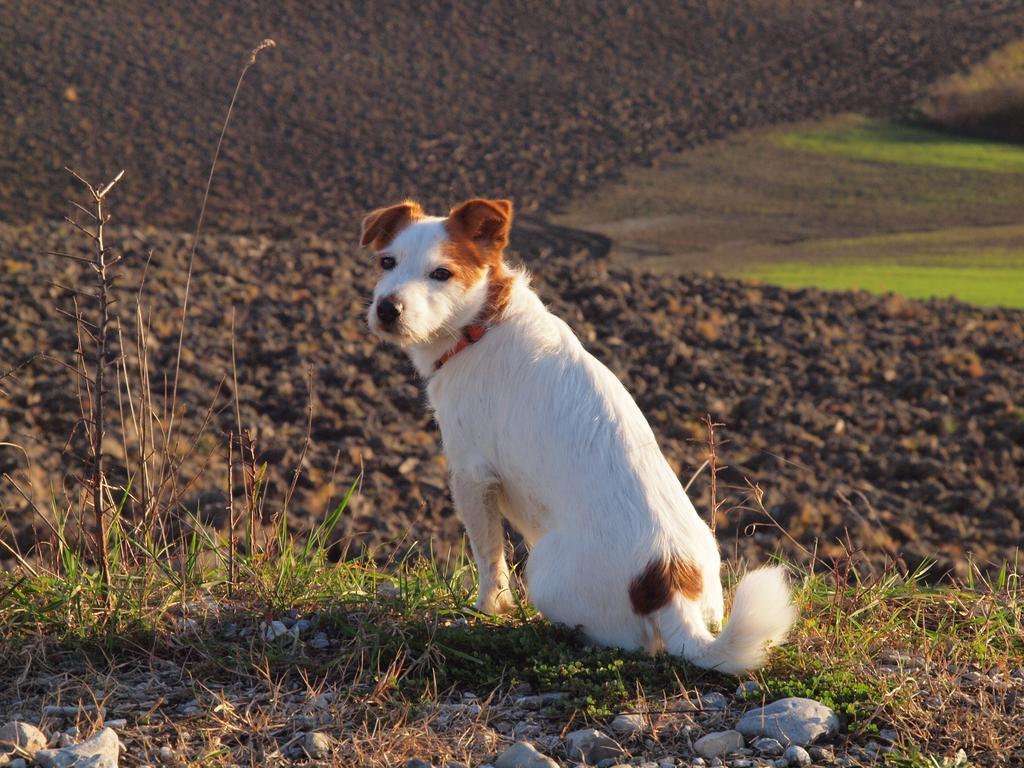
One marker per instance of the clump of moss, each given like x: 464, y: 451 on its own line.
x: 595, y: 681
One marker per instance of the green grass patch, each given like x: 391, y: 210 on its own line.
x: 879, y: 141
x: 984, y: 286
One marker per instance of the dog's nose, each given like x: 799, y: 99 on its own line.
x: 389, y: 310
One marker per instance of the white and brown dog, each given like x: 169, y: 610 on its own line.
x: 538, y: 432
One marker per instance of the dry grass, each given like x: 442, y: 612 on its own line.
x: 987, y: 100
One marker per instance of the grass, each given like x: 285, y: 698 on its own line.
x: 984, y: 286
x: 957, y: 262
x: 405, y: 640
x: 879, y: 141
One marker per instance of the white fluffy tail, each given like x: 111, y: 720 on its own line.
x: 762, y: 614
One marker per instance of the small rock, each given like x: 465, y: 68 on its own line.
x: 626, y: 725
x: 323, y: 701
x: 790, y: 721
x: 780, y: 762
x: 748, y: 689
x: 303, y: 625
x: 797, y: 756
x: 101, y: 751
x: 274, y: 630
x: 713, y: 700
x: 591, y: 746
x: 454, y: 764
x: 17, y: 763
x: 822, y: 754
x: 718, y: 743
x: 417, y: 763
x: 21, y: 737
x: 523, y: 755
x: 698, y: 762
x: 167, y: 756
x: 316, y: 745
x: 116, y: 723
x: 768, y: 747
x: 320, y: 641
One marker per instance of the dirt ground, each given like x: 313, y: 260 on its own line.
x: 897, y: 420
x: 750, y: 199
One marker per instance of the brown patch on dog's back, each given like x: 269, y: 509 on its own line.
x: 663, y: 577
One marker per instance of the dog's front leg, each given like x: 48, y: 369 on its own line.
x: 477, y: 507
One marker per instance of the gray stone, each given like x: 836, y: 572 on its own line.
x: 822, y: 754
x: 718, y: 743
x: 768, y: 747
x: 417, y: 763
x: 749, y: 688
x: 790, y: 721
x: 316, y: 745
x: 797, y: 756
x: 626, y: 725
x: 101, y: 751
x: 590, y: 746
x: 22, y: 739
x: 17, y: 763
x: 523, y: 755
x: 713, y: 700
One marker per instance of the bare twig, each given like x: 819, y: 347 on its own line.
x: 267, y: 43
x: 102, y: 261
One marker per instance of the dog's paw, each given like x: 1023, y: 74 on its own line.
x: 495, y: 603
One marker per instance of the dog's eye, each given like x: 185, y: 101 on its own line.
x: 441, y: 274
x: 387, y: 262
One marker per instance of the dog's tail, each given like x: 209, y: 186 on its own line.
x: 762, y: 614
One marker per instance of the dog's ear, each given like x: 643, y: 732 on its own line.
x: 485, y: 222
x: 381, y: 226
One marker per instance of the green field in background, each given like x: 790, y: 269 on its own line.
x: 878, y: 141
x: 984, y: 286
x: 918, y: 265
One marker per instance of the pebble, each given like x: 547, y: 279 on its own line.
x: 320, y: 641
x: 101, y: 751
x: 797, y: 756
x: 713, y: 700
x: 116, y: 723
x: 821, y: 754
x: 24, y: 737
x: 17, y: 763
x: 417, y: 763
x: 748, y: 688
x: 522, y: 754
x: 316, y: 745
x: 274, y: 630
x: 790, y: 721
x: 591, y: 746
x: 767, y: 746
x: 627, y: 724
x: 718, y: 743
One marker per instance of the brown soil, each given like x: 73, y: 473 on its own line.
x: 895, y: 420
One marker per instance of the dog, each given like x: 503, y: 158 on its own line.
x: 538, y: 432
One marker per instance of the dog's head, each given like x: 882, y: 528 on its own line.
x: 436, y: 275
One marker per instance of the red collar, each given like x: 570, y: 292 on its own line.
x: 471, y: 334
